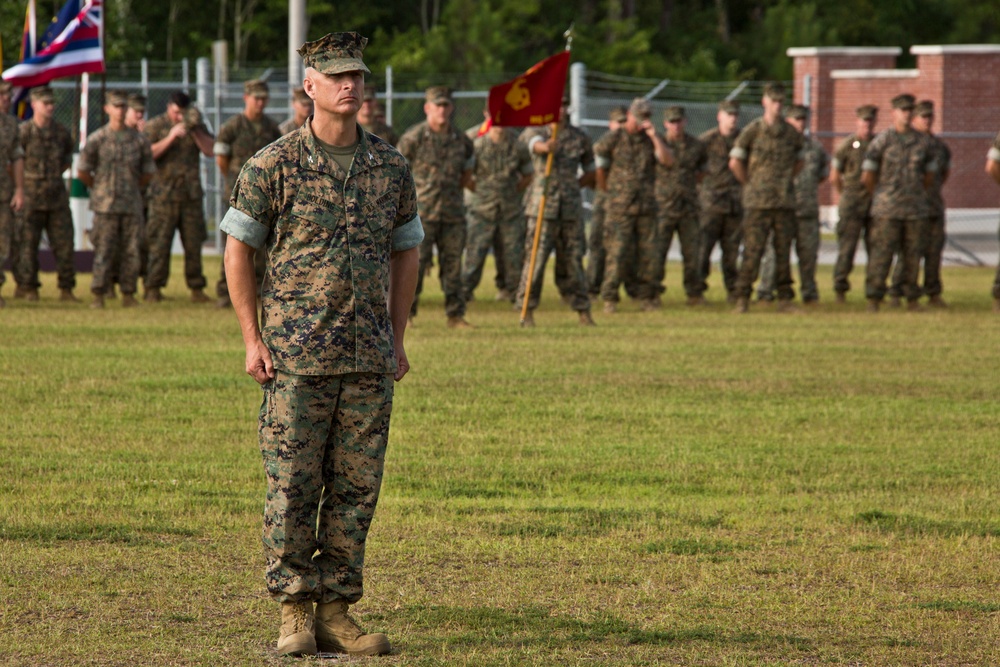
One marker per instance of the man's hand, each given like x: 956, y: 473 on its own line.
x: 402, y: 363
x: 177, y: 131
x: 259, y: 365
x: 17, y: 201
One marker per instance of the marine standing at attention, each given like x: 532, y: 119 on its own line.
x: 336, y: 210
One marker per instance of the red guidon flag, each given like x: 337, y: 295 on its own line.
x: 534, y: 98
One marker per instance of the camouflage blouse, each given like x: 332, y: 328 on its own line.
x: 328, y: 236
x: 770, y: 153
x: 48, y: 152
x: 499, y: 167
x: 631, y: 165
x: 10, y: 151
x: 117, y: 160
x: 438, y: 160
x: 177, y: 169
x: 719, y: 191
x: 677, y: 185
x: 900, y: 160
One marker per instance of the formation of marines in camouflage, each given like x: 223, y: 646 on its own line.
x: 886, y: 200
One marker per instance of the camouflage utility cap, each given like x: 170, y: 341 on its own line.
x: 775, y: 90
x: 674, y: 114
x: 904, y: 102
x: 137, y: 102
x: 115, y: 98
x: 335, y: 53
x: 640, y: 108
x: 618, y: 114
x: 866, y: 112
x: 43, y: 94
x: 797, y: 111
x: 256, y: 88
x: 924, y: 108
x: 438, y: 95
x: 729, y: 106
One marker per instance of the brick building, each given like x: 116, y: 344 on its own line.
x: 960, y: 79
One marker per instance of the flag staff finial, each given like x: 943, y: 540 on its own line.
x: 569, y: 37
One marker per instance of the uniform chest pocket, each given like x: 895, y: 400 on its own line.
x: 311, y: 208
x: 380, y: 213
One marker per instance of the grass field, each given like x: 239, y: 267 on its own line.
x: 683, y: 487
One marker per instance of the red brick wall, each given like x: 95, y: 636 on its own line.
x: 961, y: 81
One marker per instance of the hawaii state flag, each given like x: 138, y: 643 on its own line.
x: 76, y: 47
x: 534, y: 98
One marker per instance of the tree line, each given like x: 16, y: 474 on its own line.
x: 694, y: 40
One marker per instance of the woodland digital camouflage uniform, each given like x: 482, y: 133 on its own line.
x: 175, y: 204
x: 854, y: 209
x: 721, y: 215
x: 118, y: 161
x: 932, y: 233
x: 900, y: 207
x: 770, y: 153
x: 10, y: 151
x: 324, y: 420
x: 805, y: 232
x: 562, y: 217
x: 630, y: 211
x: 495, y: 209
x: 438, y: 161
x: 48, y: 152
x: 243, y: 138
x: 677, y: 204
x: 380, y: 129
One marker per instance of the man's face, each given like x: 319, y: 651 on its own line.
x: 902, y: 117
x: 5, y: 102
x: 727, y: 122
x: 174, y: 113
x: 254, y: 106
x: 133, y: 117
x: 675, y: 128
x: 43, y: 109
x: 633, y: 123
x: 772, y: 106
x: 438, y: 115
x: 864, y: 128
x: 339, y: 94
x: 369, y: 110
x: 923, y: 123
x: 116, y: 112
x: 798, y: 123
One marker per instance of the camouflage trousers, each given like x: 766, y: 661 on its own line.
x: 932, y: 241
x: 852, y: 226
x: 996, y: 280
x: 7, y: 226
x: 595, y: 246
x: 726, y: 230
x: 449, y: 237
x: 806, y: 240
x: 758, y: 225
x: 323, y: 441
x: 889, y: 236
x: 484, y: 232
x: 631, y: 246
x: 116, y: 251
x: 222, y: 287
x: 58, y: 228
x: 563, y: 237
x: 683, y: 223
x: 166, y: 217
x: 566, y: 282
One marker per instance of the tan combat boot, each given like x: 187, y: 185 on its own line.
x: 298, y: 629
x: 153, y: 295
x: 610, y: 307
x: 504, y: 295
x: 98, y: 301
x: 67, y: 295
x: 841, y: 298
x: 198, y: 296
x: 223, y: 302
x: 895, y: 302
x: 529, y: 320
x: 937, y: 302
x: 786, y: 306
x: 742, y: 305
x: 336, y: 632
x: 586, y: 320
x: 458, y: 322
x: 696, y: 300
x: 110, y: 292
x: 20, y: 292
x: 31, y: 294
x: 129, y: 300
x: 873, y: 305
x: 914, y: 306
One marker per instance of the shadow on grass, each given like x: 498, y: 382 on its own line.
x: 93, y: 532
x: 917, y: 525
x: 533, y: 626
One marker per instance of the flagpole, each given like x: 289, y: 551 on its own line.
x: 541, y: 203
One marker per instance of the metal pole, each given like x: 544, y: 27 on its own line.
x: 577, y: 92
x: 186, y: 76
x: 144, y: 68
x: 296, y: 37
x: 388, y: 95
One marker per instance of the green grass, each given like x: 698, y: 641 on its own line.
x: 683, y: 487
